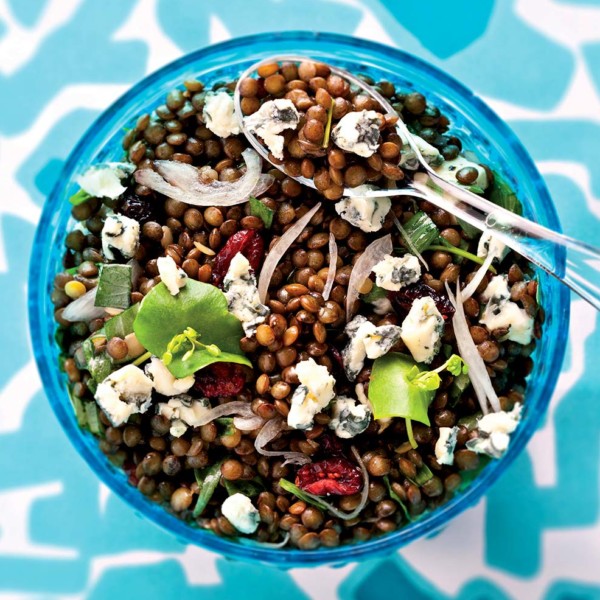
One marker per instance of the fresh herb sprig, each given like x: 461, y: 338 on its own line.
x: 431, y: 380
x: 189, y: 336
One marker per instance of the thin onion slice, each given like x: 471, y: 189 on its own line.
x: 279, y: 249
x: 237, y: 407
x: 477, y: 278
x: 364, y: 495
x: 84, y: 309
x: 248, y: 423
x: 333, y: 254
x: 409, y: 242
x: 482, y: 384
x: 373, y: 254
x: 268, y: 433
x: 183, y: 182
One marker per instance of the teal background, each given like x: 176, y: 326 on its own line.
x: 536, y: 535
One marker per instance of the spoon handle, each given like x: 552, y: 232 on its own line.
x: 571, y: 261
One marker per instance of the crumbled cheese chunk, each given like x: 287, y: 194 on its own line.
x: 104, y: 181
x: 349, y: 418
x: 358, y: 132
x: 123, y: 393
x: 241, y: 513
x: 449, y: 168
x: 494, y: 432
x: 184, y: 411
x: 408, y: 158
x: 364, y: 212
x: 171, y: 275
x: 242, y: 296
x: 219, y: 114
x: 500, y: 312
x: 394, y: 272
x: 270, y: 120
x: 165, y: 382
x: 422, y: 329
x: 366, y: 340
x: 444, y: 447
x: 382, y: 306
x: 314, y: 393
x: 120, y: 234
x: 489, y: 244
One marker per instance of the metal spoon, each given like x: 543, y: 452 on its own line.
x: 538, y: 244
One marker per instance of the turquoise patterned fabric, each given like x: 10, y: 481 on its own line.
x: 536, y: 534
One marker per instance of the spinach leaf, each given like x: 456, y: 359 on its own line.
x: 503, y: 195
x: 250, y: 488
x: 199, y: 306
x: 392, y: 395
x: 114, y: 286
x: 207, y: 480
x: 396, y: 498
x: 122, y: 324
x: 258, y: 209
x: 288, y: 486
x: 79, y: 197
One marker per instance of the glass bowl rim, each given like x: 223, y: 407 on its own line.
x: 115, y: 479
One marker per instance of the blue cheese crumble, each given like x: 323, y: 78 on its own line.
x: 364, y: 212
x: 494, y: 432
x: 242, y: 296
x: 444, y: 447
x: 449, y: 168
x: 171, y: 275
x: 270, y: 120
x: 366, y: 340
x: 348, y: 417
x: 123, y: 393
x: 393, y: 272
x: 241, y: 513
x: 219, y: 114
x: 314, y: 393
x: 422, y: 330
x: 120, y: 237
x: 184, y: 411
x: 408, y: 158
x: 164, y: 381
x: 358, y: 132
x: 500, y: 312
x: 488, y: 244
x: 105, y: 180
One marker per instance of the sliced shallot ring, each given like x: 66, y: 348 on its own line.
x: 268, y: 433
x: 279, y: 249
x: 248, y: 423
x: 333, y: 254
x: 480, y: 379
x: 472, y: 286
x: 237, y: 407
x: 182, y: 182
x: 373, y: 254
x: 84, y: 309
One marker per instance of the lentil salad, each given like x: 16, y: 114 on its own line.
x: 300, y: 327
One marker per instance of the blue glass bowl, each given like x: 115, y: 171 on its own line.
x: 482, y: 131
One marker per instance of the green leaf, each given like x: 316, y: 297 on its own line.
x: 424, y: 474
x: 376, y: 293
x: 93, y: 418
x: 227, y: 424
x: 396, y: 498
x: 100, y: 364
x: 459, y: 385
x: 428, y: 381
x: 327, y: 134
x: 199, y: 306
x: 77, y: 408
x: 207, y: 480
x: 288, y: 486
x: 503, y: 195
x: 448, y: 247
x: 122, y: 324
x: 476, y: 189
x: 261, y: 210
x: 470, y: 230
x: 392, y: 395
x: 456, y: 365
x: 251, y: 487
x: 79, y: 197
x: 114, y: 286
x: 421, y: 230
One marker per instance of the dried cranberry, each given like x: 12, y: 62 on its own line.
x: 404, y: 298
x: 337, y: 357
x: 220, y: 379
x: 129, y: 468
x: 140, y: 209
x: 337, y: 476
x: 248, y: 242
